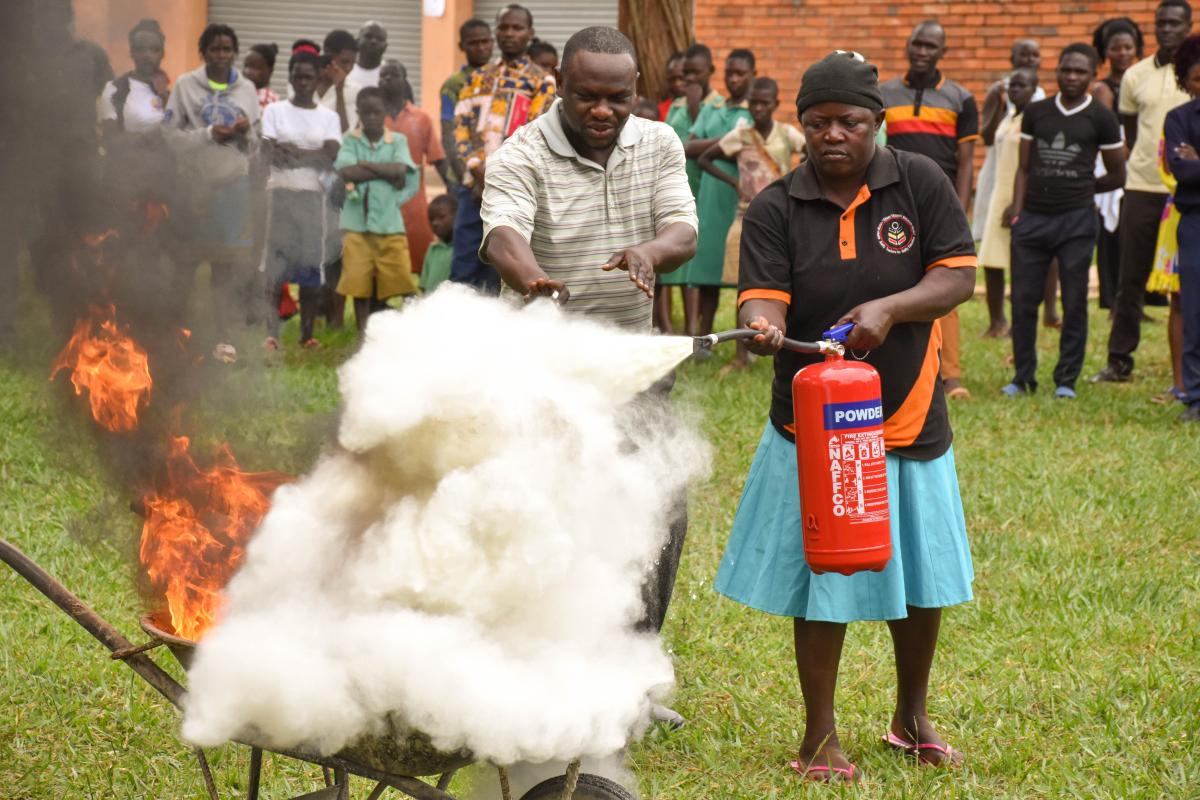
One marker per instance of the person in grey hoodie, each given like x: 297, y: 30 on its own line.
x: 213, y: 123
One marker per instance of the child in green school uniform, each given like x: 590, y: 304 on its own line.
x: 441, y: 253
x: 717, y: 201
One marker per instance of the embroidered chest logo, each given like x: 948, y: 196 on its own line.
x: 896, y: 233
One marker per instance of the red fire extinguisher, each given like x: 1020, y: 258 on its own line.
x: 843, y: 472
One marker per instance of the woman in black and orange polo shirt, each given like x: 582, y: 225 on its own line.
x: 877, y: 237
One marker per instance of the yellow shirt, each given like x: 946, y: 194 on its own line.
x: 1149, y: 91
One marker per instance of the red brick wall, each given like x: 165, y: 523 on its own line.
x: 788, y: 35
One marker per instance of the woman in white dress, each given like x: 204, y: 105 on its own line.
x: 994, y: 249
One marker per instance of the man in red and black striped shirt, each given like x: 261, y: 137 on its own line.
x: 930, y: 114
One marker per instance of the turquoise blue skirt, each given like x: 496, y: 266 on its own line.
x: 764, y: 568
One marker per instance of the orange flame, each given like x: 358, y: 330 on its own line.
x: 154, y: 215
x: 108, y: 363
x: 196, y: 530
x: 96, y: 239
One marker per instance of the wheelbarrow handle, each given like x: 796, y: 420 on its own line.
x: 92, y: 622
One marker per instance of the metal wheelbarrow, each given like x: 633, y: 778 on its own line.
x: 394, y: 760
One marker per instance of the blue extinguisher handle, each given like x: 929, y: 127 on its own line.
x: 838, y: 333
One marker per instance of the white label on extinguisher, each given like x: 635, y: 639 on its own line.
x: 858, y: 476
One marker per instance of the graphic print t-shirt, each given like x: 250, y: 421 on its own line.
x: 1063, y: 159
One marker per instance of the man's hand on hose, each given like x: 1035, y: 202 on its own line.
x: 546, y: 287
x: 638, y: 263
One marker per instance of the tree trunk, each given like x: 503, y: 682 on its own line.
x: 657, y: 28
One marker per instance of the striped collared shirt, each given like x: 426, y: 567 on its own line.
x: 575, y: 214
x: 930, y: 120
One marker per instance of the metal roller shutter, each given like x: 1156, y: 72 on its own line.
x: 285, y: 21
x: 555, y: 20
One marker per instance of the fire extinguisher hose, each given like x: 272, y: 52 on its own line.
x: 707, y: 342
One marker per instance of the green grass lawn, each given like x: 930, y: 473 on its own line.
x: 1075, y: 673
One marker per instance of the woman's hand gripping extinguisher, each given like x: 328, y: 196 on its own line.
x: 838, y: 419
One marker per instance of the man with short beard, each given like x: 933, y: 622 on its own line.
x: 588, y: 203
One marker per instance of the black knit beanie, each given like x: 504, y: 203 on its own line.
x: 840, y: 77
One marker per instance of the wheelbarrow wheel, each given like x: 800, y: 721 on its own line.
x: 590, y: 787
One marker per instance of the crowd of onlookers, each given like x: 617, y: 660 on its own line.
x: 1076, y: 170
x: 324, y: 189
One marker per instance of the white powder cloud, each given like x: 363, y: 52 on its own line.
x: 467, y: 561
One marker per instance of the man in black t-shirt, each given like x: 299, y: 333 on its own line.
x: 1053, y: 214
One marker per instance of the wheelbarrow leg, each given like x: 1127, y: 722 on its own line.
x: 505, y: 789
x: 444, y: 781
x: 341, y: 779
x: 378, y: 791
x: 209, y: 783
x: 255, y: 773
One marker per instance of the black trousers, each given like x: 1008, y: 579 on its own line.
x: 1108, y: 265
x: 1140, y: 215
x: 1037, y: 239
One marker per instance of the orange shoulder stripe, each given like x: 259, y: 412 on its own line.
x: 954, y: 262
x: 764, y: 294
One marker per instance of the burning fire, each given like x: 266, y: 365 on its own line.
x: 196, y: 530
x: 198, y: 522
x: 154, y: 215
x: 94, y: 240
x: 106, y: 361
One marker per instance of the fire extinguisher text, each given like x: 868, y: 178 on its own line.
x: 840, y: 416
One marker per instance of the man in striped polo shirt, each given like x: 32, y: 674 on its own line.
x: 930, y: 114
x: 588, y: 200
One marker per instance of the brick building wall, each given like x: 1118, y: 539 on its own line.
x: 787, y: 35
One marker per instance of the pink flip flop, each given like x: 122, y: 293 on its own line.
x: 950, y: 756
x: 820, y: 773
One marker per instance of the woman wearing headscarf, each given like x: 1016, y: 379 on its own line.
x: 873, y: 236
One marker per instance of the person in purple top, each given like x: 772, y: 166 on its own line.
x: 1181, y: 147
